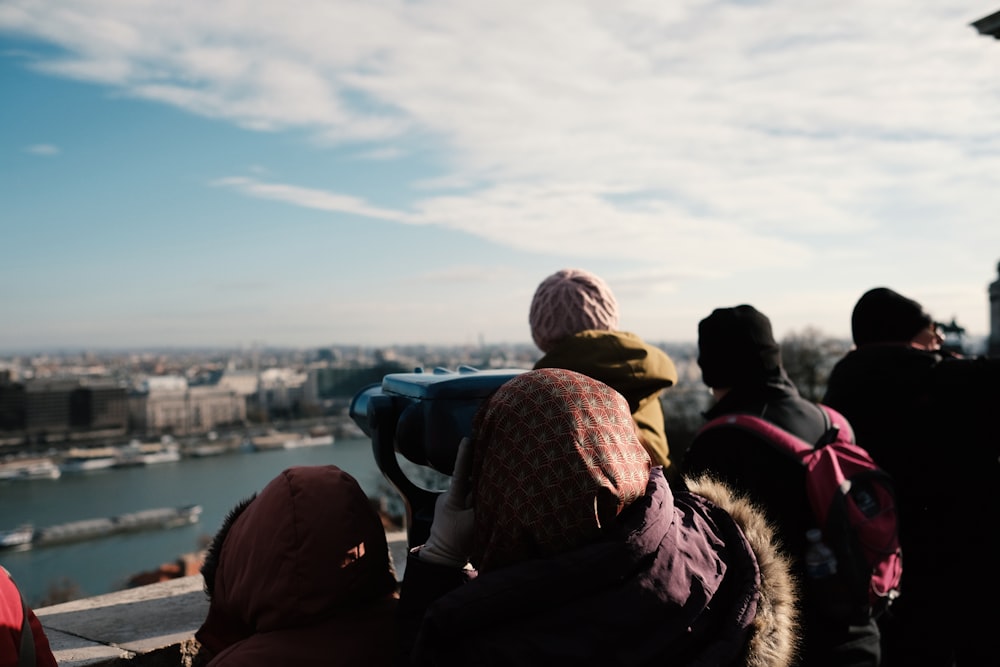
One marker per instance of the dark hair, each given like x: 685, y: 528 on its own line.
x: 214, y: 552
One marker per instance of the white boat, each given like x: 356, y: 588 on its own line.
x: 309, y: 441
x: 17, y: 537
x: 167, y: 454
x: 27, y: 470
x: 86, y: 464
x: 84, y: 460
x: 138, y: 454
x: 208, y: 449
x: 272, y: 440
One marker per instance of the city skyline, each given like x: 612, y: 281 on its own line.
x: 315, y: 173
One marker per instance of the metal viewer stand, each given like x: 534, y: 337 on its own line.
x: 422, y: 416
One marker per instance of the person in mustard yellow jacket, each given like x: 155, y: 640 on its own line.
x: 574, y: 321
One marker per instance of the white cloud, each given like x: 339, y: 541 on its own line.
x: 383, y: 154
x: 309, y: 198
x: 42, y: 149
x: 540, y: 219
x: 764, y: 135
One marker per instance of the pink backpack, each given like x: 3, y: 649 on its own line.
x: 853, y: 502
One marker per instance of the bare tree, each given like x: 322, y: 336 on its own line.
x: 809, y: 356
x: 683, y: 408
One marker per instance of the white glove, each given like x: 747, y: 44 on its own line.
x: 450, y: 540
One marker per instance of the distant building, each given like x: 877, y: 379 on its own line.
x: 993, y: 345
x: 59, y: 410
x: 954, y: 337
x: 280, y: 389
x: 100, y: 406
x: 189, y: 411
x: 13, y: 404
x: 164, y: 383
x: 243, y: 382
x: 331, y: 383
x: 47, y: 406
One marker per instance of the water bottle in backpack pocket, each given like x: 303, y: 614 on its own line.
x: 825, y: 589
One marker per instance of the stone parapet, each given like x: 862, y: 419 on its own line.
x: 147, y: 626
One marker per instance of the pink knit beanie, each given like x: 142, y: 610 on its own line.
x: 568, y: 302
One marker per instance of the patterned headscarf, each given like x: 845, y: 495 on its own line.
x: 556, y: 458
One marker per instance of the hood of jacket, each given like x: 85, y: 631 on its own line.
x: 619, y: 359
x: 308, y: 548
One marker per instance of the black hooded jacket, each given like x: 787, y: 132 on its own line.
x: 931, y: 422
x: 770, y: 478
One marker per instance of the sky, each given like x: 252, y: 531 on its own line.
x: 321, y: 172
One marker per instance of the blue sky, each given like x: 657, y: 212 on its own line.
x: 322, y: 172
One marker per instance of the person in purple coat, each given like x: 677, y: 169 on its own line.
x: 559, y: 542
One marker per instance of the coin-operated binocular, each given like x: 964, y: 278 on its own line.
x: 422, y: 416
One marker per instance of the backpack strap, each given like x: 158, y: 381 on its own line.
x: 838, y: 421
x: 789, y: 442
x: 26, y: 658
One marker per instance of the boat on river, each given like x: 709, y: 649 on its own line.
x: 19, y: 537
x: 309, y: 441
x: 159, y: 518
x: 30, y: 469
x: 137, y: 453
x: 85, y: 460
x: 278, y: 440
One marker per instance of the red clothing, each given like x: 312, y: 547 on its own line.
x: 11, y: 619
x: 303, y: 578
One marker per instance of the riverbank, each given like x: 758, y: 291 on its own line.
x: 55, y: 462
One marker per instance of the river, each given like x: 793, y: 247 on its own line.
x: 103, y: 565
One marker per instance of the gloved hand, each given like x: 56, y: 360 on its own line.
x: 450, y: 540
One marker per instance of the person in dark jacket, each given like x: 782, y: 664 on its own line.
x: 930, y: 420
x: 558, y: 542
x: 574, y: 321
x: 741, y: 362
x: 23, y: 642
x: 300, y: 574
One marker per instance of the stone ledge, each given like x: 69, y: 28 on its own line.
x: 147, y: 626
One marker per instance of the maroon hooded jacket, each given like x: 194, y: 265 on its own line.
x: 302, y: 576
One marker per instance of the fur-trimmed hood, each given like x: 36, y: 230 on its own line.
x: 774, y: 639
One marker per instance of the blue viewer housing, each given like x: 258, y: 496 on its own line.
x: 422, y: 416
